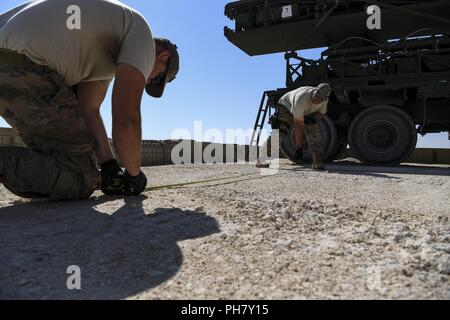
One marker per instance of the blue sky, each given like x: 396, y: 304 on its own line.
x: 218, y: 84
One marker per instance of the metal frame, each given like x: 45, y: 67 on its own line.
x: 321, y: 10
x: 264, y: 111
x: 380, y: 63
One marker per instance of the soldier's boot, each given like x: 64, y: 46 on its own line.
x: 314, y: 138
x: 318, y: 163
x: 262, y: 165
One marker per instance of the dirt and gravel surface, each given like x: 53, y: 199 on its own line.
x: 353, y: 232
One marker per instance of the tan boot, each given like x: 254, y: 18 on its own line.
x: 261, y: 165
x: 318, y: 162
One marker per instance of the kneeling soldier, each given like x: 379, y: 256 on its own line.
x: 53, y: 80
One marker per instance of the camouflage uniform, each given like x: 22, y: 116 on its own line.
x: 315, y: 145
x: 59, y: 161
x: 312, y: 132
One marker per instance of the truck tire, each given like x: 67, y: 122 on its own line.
x: 329, y: 136
x: 383, y: 135
x: 340, y: 152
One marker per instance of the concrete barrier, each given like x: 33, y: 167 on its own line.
x: 159, y: 152
x: 430, y: 156
x: 8, y: 137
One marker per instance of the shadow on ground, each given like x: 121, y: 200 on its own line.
x: 120, y: 255
x: 354, y: 168
x: 411, y: 169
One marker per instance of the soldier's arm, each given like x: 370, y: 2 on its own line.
x: 90, y: 97
x: 126, y: 108
x: 298, y: 123
x: 299, y: 120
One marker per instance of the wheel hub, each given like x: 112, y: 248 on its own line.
x: 381, y: 136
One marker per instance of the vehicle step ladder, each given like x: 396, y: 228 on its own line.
x: 263, y: 112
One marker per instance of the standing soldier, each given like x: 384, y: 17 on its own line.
x: 54, y: 76
x: 304, y: 108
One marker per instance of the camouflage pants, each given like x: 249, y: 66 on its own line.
x: 59, y: 161
x: 312, y: 133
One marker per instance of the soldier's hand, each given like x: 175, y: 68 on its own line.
x: 310, y: 120
x: 112, y: 178
x: 134, y: 186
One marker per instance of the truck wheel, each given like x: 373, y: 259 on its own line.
x: 340, y: 152
x: 383, y: 136
x: 329, y: 136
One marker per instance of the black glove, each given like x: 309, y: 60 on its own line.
x: 299, y: 155
x: 134, y: 186
x: 112, y: 178
x: 310, y: 120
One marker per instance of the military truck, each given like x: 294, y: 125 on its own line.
x: 390, y: 81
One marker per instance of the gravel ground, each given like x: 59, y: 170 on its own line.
x: 353, y: 232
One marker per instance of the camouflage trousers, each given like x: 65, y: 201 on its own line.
x: 58, y: 161
x: 286, y: 121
